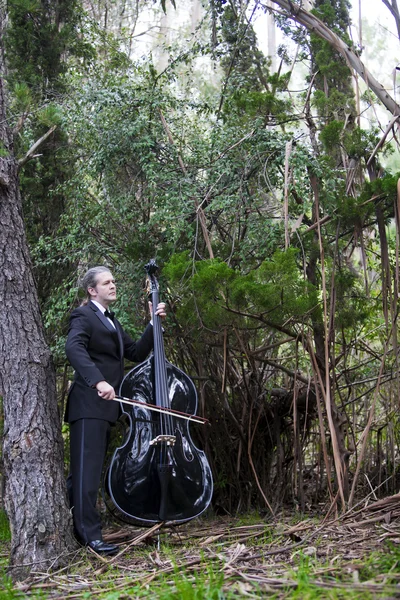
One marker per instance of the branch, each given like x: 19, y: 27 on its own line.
x: 292, y: 374
x: 383, y: 138
x: 395, y: 13
x: 316, y: 26
x: 35, y: 146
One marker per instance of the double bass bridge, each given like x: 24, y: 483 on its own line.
x: 168, y: 440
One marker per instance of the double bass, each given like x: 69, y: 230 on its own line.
x: 158, y: 474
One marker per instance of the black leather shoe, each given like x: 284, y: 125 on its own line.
x: 101, y: 547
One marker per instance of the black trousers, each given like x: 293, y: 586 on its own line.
x: 88, y: 444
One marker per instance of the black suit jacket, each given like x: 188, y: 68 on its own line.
x: 96, y: 351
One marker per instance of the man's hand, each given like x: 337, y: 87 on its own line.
x: 105, y: 390
x: 161, y: 309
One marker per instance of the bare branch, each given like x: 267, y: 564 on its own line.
x: 35, y: 146
x: 394, y: 9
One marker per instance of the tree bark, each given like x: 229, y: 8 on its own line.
x: 35, y: 492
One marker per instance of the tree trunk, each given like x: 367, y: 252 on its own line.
x: 35, y: 492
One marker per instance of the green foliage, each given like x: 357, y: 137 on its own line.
x: 383, y: 186
x: 241, y: 58
x: 360, y: 143
x: 333, y: 96
x: 351, y: 212
x: 331, y: 133
x: 42, y: 40
x: 38, y: 36
x: 275, y: 290
x: 249, y: 88
x: 335, y: 14
x: 335, y: 104
x: 128, y: 174
x: 22, y: 97
x: 50, y: 115
x: 351, y: 309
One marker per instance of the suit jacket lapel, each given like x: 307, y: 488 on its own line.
x: 105, y: 321
x: 115, y: 330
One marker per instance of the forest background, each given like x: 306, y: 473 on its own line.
x: 267, y: 189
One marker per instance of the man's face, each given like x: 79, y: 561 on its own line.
x: 105, y: 291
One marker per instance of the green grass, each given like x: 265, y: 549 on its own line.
x: 347, y: 579
x: 7, y: 591
x: 201, y: 586
x: 6, y: 587
x: 387, y: 563
x: 248, y: 519
x: 179, y: 570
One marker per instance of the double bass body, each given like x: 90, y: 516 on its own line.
x: 158, y: 474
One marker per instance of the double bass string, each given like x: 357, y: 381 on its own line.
x: 162, y: 396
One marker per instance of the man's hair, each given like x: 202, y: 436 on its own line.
x: 89, y: 280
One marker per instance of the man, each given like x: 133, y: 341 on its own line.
x: 96, y: 347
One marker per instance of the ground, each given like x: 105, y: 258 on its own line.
x: 355, y: 555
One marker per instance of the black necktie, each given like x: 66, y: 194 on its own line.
x: 109, y: 314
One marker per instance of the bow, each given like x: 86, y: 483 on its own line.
x: 162, y: 409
